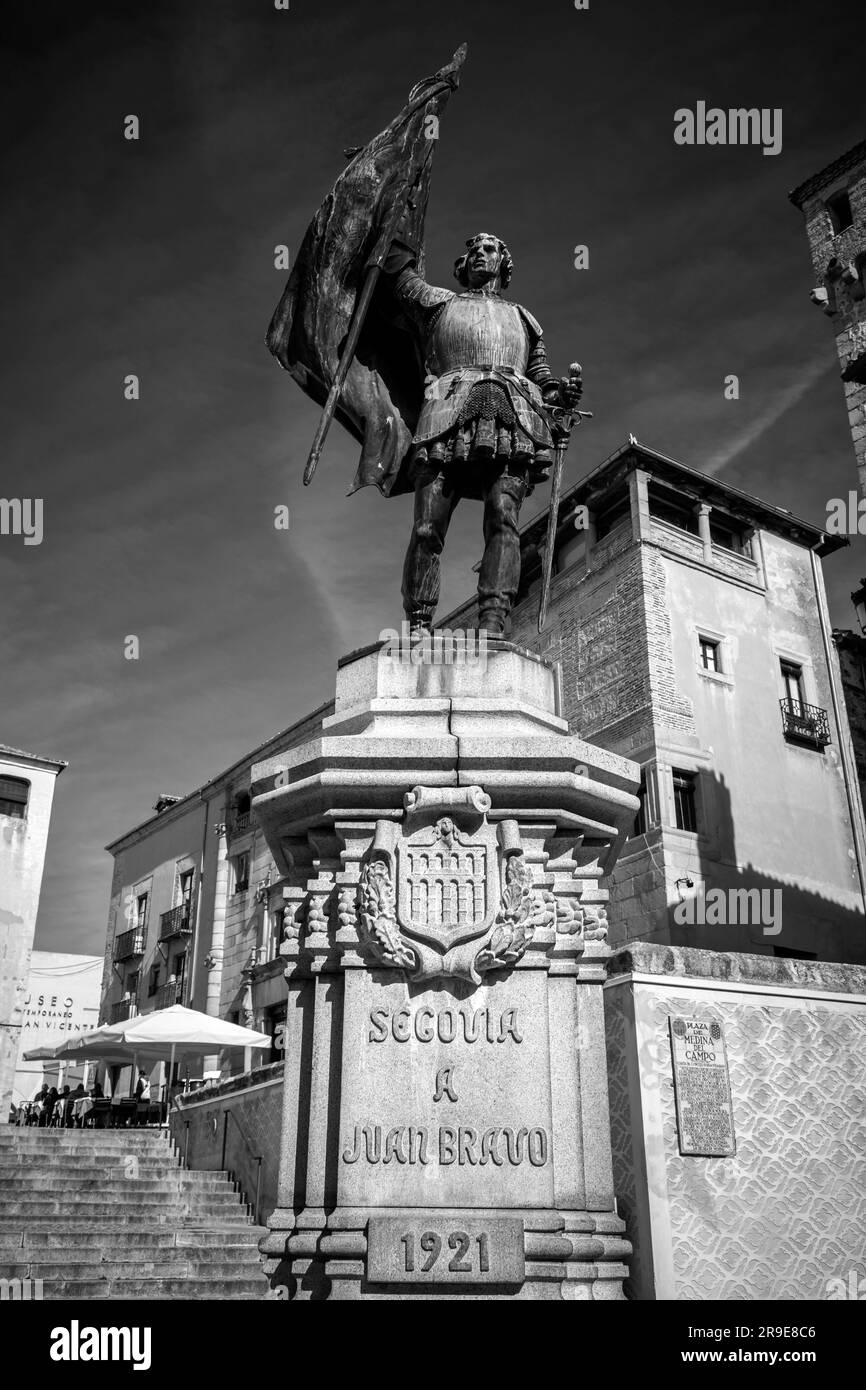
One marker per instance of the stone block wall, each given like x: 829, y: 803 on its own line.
x: 227, y: 1124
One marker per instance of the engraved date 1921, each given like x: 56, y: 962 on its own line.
x: 445, y: 1248
x: 469, y: 1255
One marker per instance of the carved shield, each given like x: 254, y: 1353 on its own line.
x: 447, y: 883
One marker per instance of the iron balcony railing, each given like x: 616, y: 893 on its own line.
x: 807, y: 723
x: 239, y: 825
x: 172, y: 993
x: 129, y: 943
x: 176, y: 922
x: 125, y: 1008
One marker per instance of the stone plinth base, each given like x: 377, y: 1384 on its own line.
x: 445, y: 1127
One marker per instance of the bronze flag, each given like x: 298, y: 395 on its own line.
x: 384, y: 186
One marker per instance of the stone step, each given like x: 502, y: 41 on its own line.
x: 95, y: 1163
x: 13, y: 1134
x: 159, y: 1213
x: 69, y: 1186
x: 173, y: 1288
x: 13, y: 1226
x: 130, y: 1255
x: 58, y: 1140
x: 81, y: 1236
x: 113, y: 1215
x: 142, y: 1208
x: 180, y: 1266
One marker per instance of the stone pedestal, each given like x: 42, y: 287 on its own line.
x: 443, y: 846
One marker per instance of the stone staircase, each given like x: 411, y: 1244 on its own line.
x: 111, y: 1214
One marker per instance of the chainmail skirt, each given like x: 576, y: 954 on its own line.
x: 487, y: 432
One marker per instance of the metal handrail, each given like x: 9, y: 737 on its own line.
x: 257, y: 1158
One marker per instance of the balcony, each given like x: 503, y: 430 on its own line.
x: 172, y: 993
x: 129, y: 944
x: 239, y: 826
x: 176, y: 922
x: 805, y: 723
x: 126, y: 1008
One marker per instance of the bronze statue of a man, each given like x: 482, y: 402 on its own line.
x: 447, y: 392
x: 483, y: 430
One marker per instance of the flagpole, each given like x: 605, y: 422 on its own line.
x: 362, y: 304
x: 346, y: 359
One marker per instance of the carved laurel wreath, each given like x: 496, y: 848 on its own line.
x: 377, y: 913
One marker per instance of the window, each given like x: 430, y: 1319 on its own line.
x: 153, y: 981
x: 273, y: 935
x: 14, y: 794
x: 792, y: 680
x: 684, y: 800
x: 728, y: 535
x: 615, y: 509
x: 801, y: 723
x: 242, y: 872
x: 186, y: 882
x: 839, y: 207
x: 710, y: 654
x: 672, y: 507
x: 141, y: 910
x: 130, y: 987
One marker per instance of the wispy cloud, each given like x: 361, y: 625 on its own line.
x: 777, y: 405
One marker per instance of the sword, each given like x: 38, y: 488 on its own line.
x: 564, y: 421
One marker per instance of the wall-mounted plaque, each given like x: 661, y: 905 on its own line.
x: 702, y: 1087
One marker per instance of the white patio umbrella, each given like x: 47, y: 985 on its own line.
x: 163, y: 1033
x: 105, y: 1042
x: 186, y: 1032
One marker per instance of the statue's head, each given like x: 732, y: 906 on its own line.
x: 486, y: 258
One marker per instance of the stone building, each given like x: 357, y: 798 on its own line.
x: 691, y: 624
x: 196, y: 916
x: 833, y: 204
x: 60, y: 1000
x: 26, y: 795
x: 851, y: 648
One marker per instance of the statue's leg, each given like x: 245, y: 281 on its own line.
x: 500, y: 567
x: 435, y: 500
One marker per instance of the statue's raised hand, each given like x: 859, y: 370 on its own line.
x: 570, y: 391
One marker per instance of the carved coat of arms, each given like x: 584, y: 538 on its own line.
x: 449, y: 893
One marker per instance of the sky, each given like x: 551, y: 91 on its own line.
x: 156, y: 257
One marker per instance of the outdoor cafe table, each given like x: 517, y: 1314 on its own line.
x: 83, y: 1107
